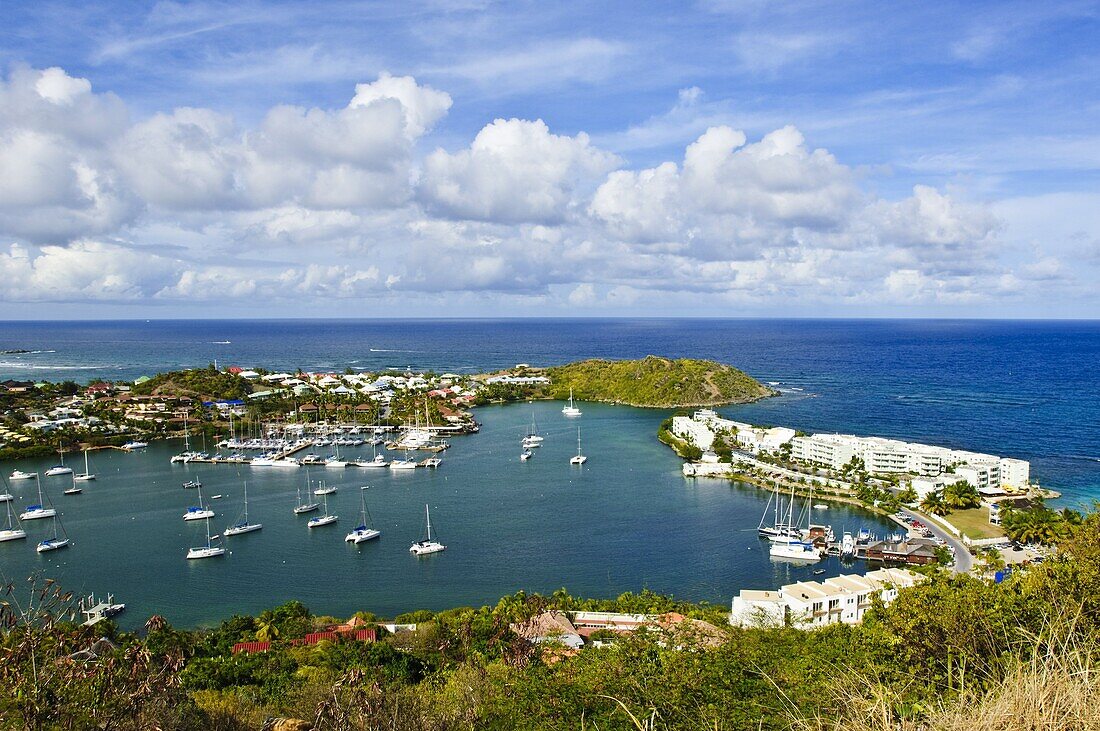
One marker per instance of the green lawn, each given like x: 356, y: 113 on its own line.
x: 974, y: 523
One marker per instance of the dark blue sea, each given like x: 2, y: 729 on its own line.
x: 1026, y: 389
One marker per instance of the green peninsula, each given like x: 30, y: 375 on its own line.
x: 656, y: 382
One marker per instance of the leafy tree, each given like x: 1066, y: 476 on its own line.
x: 934, y: 503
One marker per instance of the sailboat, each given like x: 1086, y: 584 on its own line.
x: 14, y: 531
x: 333, y: 460
x: 199, y: 512
x: 6, y: 497
x: 323, y: 489
x: 75, y: 489
x: 305, y: 507
x: 39, y: 510
x: 242, y: 525
x: 365, y: 530
x: 777, y: 529
x: 59, y: 539
x: 87, y: 473
x: 426, y: 546
x: 569, y: 409
x: 793, y: 548
x: 320, y: 520
x: 579, y: 458
x: 532, y: 438
x: 403, y: 464
x: 207, y: 551
x: 187, y: 455
x: 61, y: 468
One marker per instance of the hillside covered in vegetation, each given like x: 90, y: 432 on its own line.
x: 952, y: 654
x: 200, y: 383
x: 656, y: 382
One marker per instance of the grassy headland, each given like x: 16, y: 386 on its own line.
x: 656, y: 382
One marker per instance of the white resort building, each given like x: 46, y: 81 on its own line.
x: 806, y: 604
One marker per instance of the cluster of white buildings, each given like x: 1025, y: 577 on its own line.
x: 701, y: 427
x: 806, y: 604
x: 933, y: 466
x: 377, y: 388
x: 887, y: 456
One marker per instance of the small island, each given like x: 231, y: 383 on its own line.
x: 654, y: 382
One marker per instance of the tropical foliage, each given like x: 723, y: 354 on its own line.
x: 202, y: 383
x: 945, y: 655
x: 655, y: 382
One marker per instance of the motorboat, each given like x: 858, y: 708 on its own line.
x: 192, y: 484
x: 21, y: 475
x: 526, y: 455
x: 131, y: 446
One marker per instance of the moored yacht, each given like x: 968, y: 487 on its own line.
x: 86, y: 475
x: 14, y: 531
x: 578, y: 458
x: 320, y: 520
x: 569, y: 409
x: 61, y: 468
x: 59, y: 539
x: 426, y: 546
x: 207, y: 551
x: 198, y: 512
x: 21, y: 475
x: 365, y: 531
x: 242, y: 525
x: 40, y: 509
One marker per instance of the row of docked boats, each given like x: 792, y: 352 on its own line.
x: 788, y: 539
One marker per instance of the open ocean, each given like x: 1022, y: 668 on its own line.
x: 1027, y: 389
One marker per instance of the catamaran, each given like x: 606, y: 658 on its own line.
x: 365, y: 530
x: 61, y: 468
x: 39, y: 510
x: 426, y: 546
x: 14, y: 531
x: 320, y: 520
x: 242, y: 525
x: 199, y: 512
x: 207, y: 551
x: 59, y: 539
x: 87, y: 473
x: 569, y: 409
x: 579, y: 458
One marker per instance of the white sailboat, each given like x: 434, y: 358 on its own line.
x: 40, y: 509
x: 6, y: 497
x: 426, y: 546
x: 778, y: 528
x: 207, y: 551
x: 378, y: 461
x: 242, y: 525
x: 579, y: 458
x: 320, y: 520
x: 301, y: 507
x: 569, y: 409
x: 532, y: 439
x: 14, y: 531
x: 403, y: 464
x: 61, y: 468
x: 199, y: 512
x: 59, y: 539
x: 323, y: 489
x: 365, y: 530
x: 75, y: 489
x: 793, y: 548
x: 87, y: 473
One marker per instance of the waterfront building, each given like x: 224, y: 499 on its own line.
x: 841, y: 600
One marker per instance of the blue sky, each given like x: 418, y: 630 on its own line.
x: 718, y: 158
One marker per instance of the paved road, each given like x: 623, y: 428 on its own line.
x: 963, y: 560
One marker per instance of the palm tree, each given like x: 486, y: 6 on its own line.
x: 267, y: 629
x: 935, y: 504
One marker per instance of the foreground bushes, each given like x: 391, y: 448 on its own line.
x: 956, y: 653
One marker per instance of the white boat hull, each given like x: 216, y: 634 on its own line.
x: 578, y: 460
x: 12, y: 535
x: 205, y: 552
x: 239, y: 529
x: 38, y: 514
x: 795, y: 552
x: 323, y: 520
x: 84, y: 478
x: 399, y: 464
x: 423, y: 548
x: 360, y: 535
x: 6, y: 497
x: 52, y: 544
x: 198, y: 515
x: 55, y: 471
x: 18, y: 475
x: 325, y: 491
x: 303, y: 509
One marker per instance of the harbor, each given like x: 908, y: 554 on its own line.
x: 508, y: 524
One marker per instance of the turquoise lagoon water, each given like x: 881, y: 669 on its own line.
x: 625, y: 521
